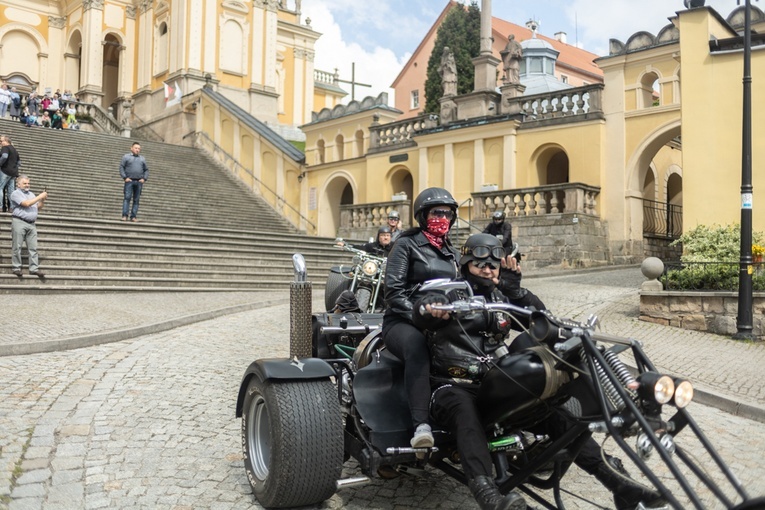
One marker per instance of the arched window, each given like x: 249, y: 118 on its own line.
x: 359, y: 144
x: 161, y: 49
x: 649, y: 92
x: 320, y: 152
x: 232, y: 41
x: 339, y: 148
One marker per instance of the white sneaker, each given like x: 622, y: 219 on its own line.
x: 423, y: 437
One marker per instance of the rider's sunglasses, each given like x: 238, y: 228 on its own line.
x: 392, y: 219
x: 442, y: 213
x: 484, y: 252
x: 492, y: 265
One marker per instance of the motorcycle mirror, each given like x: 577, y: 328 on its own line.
x: 445, y: 285
x: 515, y: 250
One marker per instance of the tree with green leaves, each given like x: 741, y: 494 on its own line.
x: 461, y: 32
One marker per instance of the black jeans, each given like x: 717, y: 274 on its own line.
x: 408, y: 344
x: 454, y: 407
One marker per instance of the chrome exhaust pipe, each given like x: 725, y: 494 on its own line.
x: 346, y: 483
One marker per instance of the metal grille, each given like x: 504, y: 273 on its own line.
x: 661, y: 219
x: 300, y: 319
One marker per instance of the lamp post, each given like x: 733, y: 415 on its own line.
x: 744, y: 318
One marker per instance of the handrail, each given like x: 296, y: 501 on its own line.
x: 100, y: 116
x: 143, y: 125
x: 279, y: 199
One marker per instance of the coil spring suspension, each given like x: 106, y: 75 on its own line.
x: 621, y: 371
x: 606, y: 384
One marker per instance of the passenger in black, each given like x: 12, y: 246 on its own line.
x: 456, y: 373
x: 421, y: 253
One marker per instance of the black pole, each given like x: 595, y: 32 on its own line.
x: 744, y: 319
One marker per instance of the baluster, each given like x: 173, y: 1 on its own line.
x: 532, y: 205
x: 522, y: 205
x: 570, y: 104
x: 542, y: 203
x: 580, y: 104
x: 554, y: 203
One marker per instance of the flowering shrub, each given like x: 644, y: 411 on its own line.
x: 758, y: 249
x: 710, y: 259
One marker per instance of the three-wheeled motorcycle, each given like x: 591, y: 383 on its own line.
x: 302, y: 417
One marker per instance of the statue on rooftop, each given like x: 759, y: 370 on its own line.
x: 511, y: 61
x: 448, y: 71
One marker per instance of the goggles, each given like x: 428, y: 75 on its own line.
x: 392, y: 218
x: 484, y: 252
x: 441, y: 213
x: 492, y: 264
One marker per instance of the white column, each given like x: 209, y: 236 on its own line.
x: 178, y: 28
x: 144, y: 45
x: 509, y: 167
x: 211, y: 37
x: 92, y: 50
x: 196, y: 14
x: 479, y: 164
x: 422, y: 180
x: 56, y: 46
x: 258, y: 47
x: 270, y: 36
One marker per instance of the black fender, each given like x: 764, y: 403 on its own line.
x: 283, y: 369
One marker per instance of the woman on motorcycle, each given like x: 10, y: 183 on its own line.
x: 458, y: 353
x: 421, y: 253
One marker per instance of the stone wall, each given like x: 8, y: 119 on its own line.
x: 659, y: 247
x: 564, y: 240
x: 714, y: 312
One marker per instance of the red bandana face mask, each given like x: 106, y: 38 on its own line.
x: 438, y: 226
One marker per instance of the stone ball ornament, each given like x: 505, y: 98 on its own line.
x: 652, y: 268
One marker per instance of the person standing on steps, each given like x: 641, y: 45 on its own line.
x: 134, y: 173
x: 25, y: 206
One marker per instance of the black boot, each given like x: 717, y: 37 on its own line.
x: 627, y: 493
x: 488, y: 496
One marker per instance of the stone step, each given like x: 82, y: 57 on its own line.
x: 53, y: 281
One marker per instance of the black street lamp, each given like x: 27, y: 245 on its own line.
x: 744, y: 318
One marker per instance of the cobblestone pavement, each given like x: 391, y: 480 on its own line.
x: 149, y: 423
x: 728, y: 368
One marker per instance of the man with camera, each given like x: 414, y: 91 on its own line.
x: 25, y: 206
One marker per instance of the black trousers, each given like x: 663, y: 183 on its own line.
x: 408, y: 344
x: 454, y: 408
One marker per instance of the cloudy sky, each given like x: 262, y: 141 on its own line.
x: 380, y: 35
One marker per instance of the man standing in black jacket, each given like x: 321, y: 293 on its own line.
x: 9, y: 164
x: 501, y: 229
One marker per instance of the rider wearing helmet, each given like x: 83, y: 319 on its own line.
x: 457, y: 370
x: 421, y: 253
x: 382, y: 245
x: 501, y: 229
x: 394, y: 222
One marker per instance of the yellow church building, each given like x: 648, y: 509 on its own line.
x: 593, y: 174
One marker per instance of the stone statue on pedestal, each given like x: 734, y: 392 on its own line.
x: 448, y: 71
x: 511, y: 61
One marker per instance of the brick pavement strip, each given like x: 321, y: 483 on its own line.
x: 149, y: 423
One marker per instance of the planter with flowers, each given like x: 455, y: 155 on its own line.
x: 758, y: 251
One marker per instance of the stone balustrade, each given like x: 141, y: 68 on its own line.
x: 100, y: 117
x: 575, y: 102
x: 563, y: 198
x: 325, y: 77
x: 360, y: 221
x: 399, y: 134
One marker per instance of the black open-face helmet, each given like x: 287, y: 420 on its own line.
x: 498, y: 215
x: 479, y: 248
x: 429, y: 198
x: 385, y: 229
x: 394, y: 215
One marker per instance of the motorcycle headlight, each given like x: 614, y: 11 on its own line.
x: 683, y: 392
x: 356, y: 260
x: 369, y: 268
x: 656, y: 387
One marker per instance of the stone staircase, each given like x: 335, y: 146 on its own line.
x: 199, y: 230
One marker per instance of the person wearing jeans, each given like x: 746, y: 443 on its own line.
x: 134, y: 173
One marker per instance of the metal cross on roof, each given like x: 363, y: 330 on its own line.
x: 353, y: 81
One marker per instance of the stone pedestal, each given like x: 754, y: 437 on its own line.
x: 448, y: 112
x: 91, y: 95
x: 510, y: 105
x: 477, y: 104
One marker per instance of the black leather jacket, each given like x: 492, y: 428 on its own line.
x: 376, y: 249
x: 505, y: 229
x: 413, y: 261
